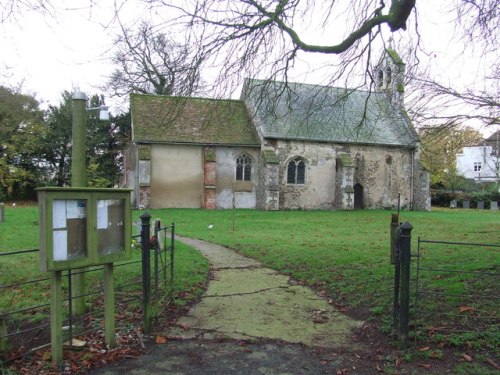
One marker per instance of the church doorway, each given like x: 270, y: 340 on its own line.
x: 358, y: 196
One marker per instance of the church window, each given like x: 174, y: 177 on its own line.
x: 296, y: 171
x: 477, y: 166
x: 380, y: 78
x: 243, y: 168
x: 388, y: 75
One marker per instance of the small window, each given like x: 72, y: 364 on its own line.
x: 477, y: 166
x: 388, y: 75
x: 296, y: 171
x: 243, y: 168
x: 380, y: 78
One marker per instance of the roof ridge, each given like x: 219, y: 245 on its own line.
x: 316, y: 85
x: 185, y: 97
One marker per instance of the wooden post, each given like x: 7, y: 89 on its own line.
x: 404, y: 248
x: 79, y: 179
x: 109, y: 305
x: 56, y: 317
x: 4, y: 341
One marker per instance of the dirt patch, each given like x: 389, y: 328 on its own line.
x: 235, y: 357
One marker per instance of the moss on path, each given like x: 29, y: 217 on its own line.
x: 247, y: 301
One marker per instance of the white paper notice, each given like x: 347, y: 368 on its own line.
x: 102, y: 214
x: 72, y: 209
x: 60, y: 241
x: 58, y: 214
x: 75, y: 209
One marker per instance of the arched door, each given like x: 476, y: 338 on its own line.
x: 358, y: 196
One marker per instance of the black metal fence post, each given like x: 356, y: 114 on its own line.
x: 156, y: 237
x: 397, y: 267
x: 405, y: 256
x: 146, y: 271
x: 172, y: 249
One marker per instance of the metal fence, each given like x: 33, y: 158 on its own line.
x: 445, y: 288
x: 460, y: 297
x: 25, y: 327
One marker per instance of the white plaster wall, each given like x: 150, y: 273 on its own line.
x: 482, y: 154
x: 176, y: 176
x: 226, y: 176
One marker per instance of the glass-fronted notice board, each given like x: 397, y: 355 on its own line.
x: 110, y: 226
x: 69, y: 229
x: 80, y: 227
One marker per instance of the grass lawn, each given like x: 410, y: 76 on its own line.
x: 343, y: 254
x: 20, y: 232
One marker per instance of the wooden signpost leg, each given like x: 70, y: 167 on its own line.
x: 56, y: 317
x: 109, y: 305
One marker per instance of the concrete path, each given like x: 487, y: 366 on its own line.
x: 251, y: 320
x: 247, y: 301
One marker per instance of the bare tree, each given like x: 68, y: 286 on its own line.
x: 15, y: 8
x: 247, y: 37
x: 151, y: 62
x: 435, y: 102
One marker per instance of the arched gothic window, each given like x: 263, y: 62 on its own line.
x: 243, y: 168
x: 388, y: 75
x: 296, y: 171
x: 380, y: 78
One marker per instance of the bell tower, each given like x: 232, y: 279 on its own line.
x: 389, y: 76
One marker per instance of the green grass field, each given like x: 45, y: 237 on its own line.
x: 343, y: 254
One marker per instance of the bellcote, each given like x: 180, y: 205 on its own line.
x: 389, y: 76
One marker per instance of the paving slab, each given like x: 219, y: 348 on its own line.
x: 246, y: 300
x: 250, y: 320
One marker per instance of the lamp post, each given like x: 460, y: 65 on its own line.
x: 79, y: 173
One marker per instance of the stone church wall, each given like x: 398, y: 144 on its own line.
x: 383, y: 174
x: 318, y: 191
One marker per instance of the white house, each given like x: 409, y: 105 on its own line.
x: 481, y: 163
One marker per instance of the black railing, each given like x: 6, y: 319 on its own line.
x: 459, y: 297
x: 25, y: 329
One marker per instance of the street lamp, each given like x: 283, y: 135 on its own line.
x: 79, y: 130
x: 79, y: 169
x: 103, y: 110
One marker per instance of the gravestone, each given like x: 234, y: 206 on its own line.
x: 2, y: 212
x: 494, y: 206
x: 453, y: 204
x: 466, y: 204
x: 480, y: 205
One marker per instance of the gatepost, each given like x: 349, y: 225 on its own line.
x: 405, y: 256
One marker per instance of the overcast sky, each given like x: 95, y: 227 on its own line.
x: 70, y: 49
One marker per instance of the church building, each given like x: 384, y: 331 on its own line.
x: 282, y: 146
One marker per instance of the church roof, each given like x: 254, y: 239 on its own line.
x: 170, y: 119
x: 307, y: 112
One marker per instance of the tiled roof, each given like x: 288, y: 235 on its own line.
x: 169, y: 119
x: 326, y: 114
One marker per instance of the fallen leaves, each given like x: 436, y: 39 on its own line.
x: 492, y: 363
x: 467, y: 357
x: 425, y: 365
x: 469, y: 309
x: 161, y: 340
